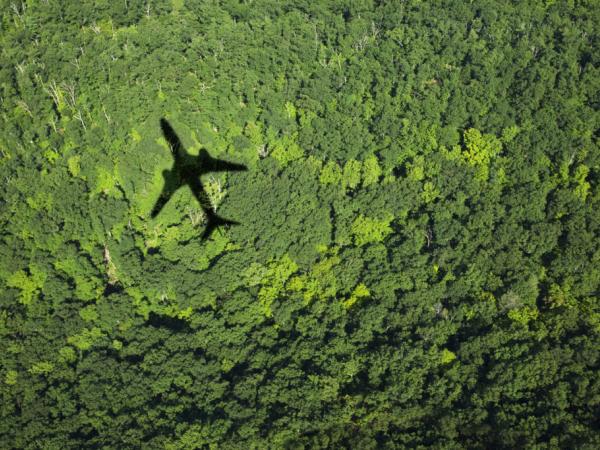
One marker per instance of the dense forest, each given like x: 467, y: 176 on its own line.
x: 417, y: 263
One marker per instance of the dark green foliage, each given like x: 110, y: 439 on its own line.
x: 418, y: 260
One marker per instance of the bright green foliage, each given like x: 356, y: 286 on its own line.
x: 416, y: 169
x: 354, y: 172
x: 74, y: 164
x: 274, y: 279
x: 430, y: 193
x: 371, y: 171
x: 291, y: 110
x: 11, y: 377
x: 285, y: 149
x: 447, y: 356
x: 86, y: 338
x: 358, y: 293
x: 479, y: 151
x: 254, y: 274
x: 509, y: 133
x: 89, y: 313
x: 135, y: 135
x: 67, y: 355
x: 105, y: 182
x: 29, y: 284
x: 582, y: 185
x: 523, y: 315
x: 86, y: 287
x: 41, y: 368
x: 319, y: 283
x: 351, y: 174
x: 161, y: 301
x: 254, y: 133
x: 370, y: 230
x: 331, y: 173
x: 40, y: 201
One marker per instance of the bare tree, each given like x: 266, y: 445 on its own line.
x: 111, y: 269
x: 196, y: 216
x: 21, y: 104
x: 80, y: 118
x: 106, y: 116
x: 215, y: 191
x: 18, y: 10
x: 70, y: 90
x: 54, y: 91
x: 429, y: 237
x: 374, y: 30
x: 53, y: 123
x: 262, y: 151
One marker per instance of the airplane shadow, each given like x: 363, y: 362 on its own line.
x: 187, y: 170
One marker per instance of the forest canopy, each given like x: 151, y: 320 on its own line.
x: 417, y: 263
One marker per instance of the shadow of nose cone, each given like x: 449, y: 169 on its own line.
x: 170, y: 134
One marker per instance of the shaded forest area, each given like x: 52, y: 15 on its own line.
x: 418, y: 260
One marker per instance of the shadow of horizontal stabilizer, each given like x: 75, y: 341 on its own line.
x: 215, y: 222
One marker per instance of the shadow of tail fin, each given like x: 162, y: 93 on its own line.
x: 214, y: 222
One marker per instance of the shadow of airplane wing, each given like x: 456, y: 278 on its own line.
x: 219, y: 165
x: 165, y: 195
x: 210, y: 164
x: 160, y: 203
